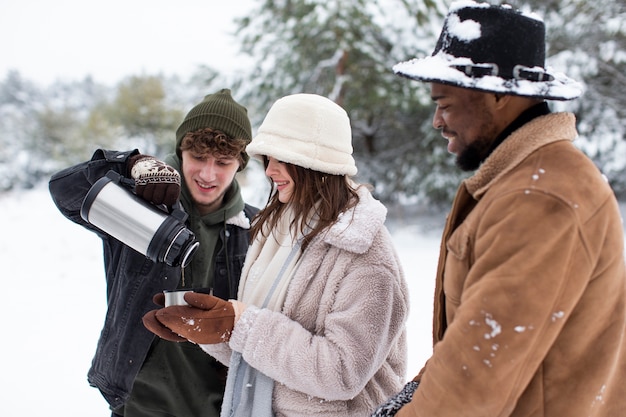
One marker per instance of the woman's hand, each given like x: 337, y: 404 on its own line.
x: 206, y: 320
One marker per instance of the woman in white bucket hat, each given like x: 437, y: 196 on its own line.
x: 319, y: 325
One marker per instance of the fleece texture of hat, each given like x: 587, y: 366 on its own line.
x: 217, y: 111
x: 307, y: 130
x: 495, y: 49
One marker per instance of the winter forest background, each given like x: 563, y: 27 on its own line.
x: 343, y: 49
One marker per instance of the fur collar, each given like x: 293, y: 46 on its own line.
x: 518, y: 146
x: 239, y: 220
x: 356, y: 229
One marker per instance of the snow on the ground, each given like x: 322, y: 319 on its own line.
x: 53, y: 303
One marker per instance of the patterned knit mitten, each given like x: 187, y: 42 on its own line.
x: 395, y: 403
x: 155, y: 181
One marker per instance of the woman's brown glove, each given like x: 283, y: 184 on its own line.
x: 151, y: 323
x: 206, y: 320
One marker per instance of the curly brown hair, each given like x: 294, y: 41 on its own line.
x: 329, y: 195
x: 209, y: 141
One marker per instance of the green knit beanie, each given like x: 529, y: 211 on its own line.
x: 217, y: 111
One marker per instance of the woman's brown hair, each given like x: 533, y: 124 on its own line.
x: 328, y: 195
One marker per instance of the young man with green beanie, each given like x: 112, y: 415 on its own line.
x: 138, y: 374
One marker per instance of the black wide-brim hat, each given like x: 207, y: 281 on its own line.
x: 493, y: 49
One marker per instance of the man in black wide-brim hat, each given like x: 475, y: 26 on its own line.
x: 530, y: 299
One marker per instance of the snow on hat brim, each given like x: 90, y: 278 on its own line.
x: 306, y: 130
x: 443, y: 68
x: 492, y: 48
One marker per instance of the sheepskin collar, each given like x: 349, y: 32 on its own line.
x: 356, y: 228
x: 518, y: 146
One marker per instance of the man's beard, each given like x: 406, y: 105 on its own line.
x: 475, y: 153
x: 470, y: 158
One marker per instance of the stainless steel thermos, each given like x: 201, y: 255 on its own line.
x: 148, y: 229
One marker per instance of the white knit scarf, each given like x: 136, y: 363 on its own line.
x: 270, y: 264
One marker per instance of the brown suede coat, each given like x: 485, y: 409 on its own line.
x: 530, y: 299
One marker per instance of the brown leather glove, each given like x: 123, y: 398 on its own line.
x: 151, y: 323
x: 206, y: 320
x: 155, y: 181
x: 159, y: 299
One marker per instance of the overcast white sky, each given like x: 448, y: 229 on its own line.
x: 69, y: 39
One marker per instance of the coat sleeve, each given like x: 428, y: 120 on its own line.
x: 220, y: 351
x: 336, y: 361
x: 69, y: 187
x: 514, y: 281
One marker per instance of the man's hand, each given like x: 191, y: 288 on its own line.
x: 206, y: 320
x: 155, y: 181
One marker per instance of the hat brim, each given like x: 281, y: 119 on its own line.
x: 441, y: 68
x: 303, y: 154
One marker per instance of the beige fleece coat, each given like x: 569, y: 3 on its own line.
x: 530, y: 316
x: 338, y: 348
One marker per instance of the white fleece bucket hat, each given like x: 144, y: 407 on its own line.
x: 307, y: 130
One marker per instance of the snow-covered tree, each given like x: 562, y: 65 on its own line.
x: 344, y: 50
